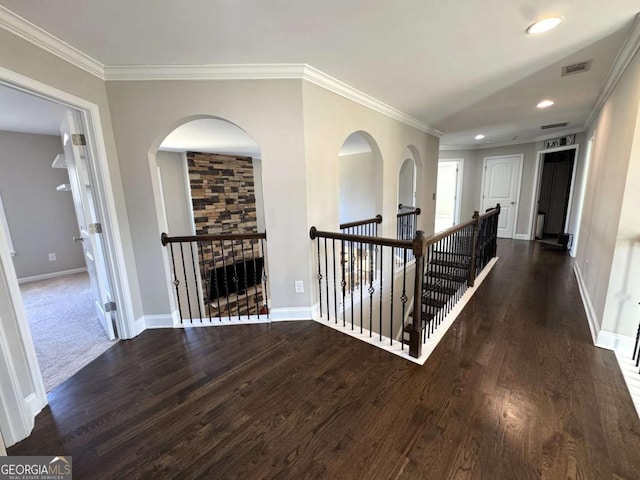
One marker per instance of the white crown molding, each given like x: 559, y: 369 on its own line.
x: 334, y: 85
x: 620, y: 64
x: 540, y: 138
x: 52, y: 44
x: 275, y: 71
x: 262, y: 72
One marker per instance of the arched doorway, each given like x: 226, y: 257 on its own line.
x: 209, y: 175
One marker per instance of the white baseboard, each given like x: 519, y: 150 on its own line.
x: 159, y: 321
x: 34, y: 404
x: 47, y: 276
x: 621, y: 344
x: 139, y: 326
x: 592, y: 318
x: 293, y: 313
x: 521, y: 236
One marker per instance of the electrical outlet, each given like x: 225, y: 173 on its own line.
x: 299, y: 286
x: 52, y: 257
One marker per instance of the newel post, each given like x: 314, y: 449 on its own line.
x: 474, y: 247
x: 415, y: 334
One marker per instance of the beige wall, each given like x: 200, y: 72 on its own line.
x: 269, y: 111
x: 609, y: 252
x: 360, y: 186
x: 329, y: 119
x: 41, y: 220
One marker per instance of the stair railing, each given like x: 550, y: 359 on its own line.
x: 407, y: 224
x: 219, y: 277
x: 446, y: 264
x: 367, y: 227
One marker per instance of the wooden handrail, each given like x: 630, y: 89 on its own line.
x: 212, y: 238
x: 357, y: 223
x: 415, y: 211
x: 385, y: 242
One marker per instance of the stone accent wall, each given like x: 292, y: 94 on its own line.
x: 224, y: 202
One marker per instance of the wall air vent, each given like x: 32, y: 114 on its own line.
x: 554, y: 125
x: 579, y: 67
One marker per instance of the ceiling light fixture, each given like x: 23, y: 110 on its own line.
x: 544, y: 25
x: 545, y: 103
x: 479, y: 136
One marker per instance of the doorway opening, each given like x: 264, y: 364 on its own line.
x: 210, y: 178
x: 448, y: 193
x: 554, y: 192
x: 50, y: 218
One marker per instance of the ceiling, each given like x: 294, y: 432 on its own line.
x: 460, y: 67
x: 22, y: 112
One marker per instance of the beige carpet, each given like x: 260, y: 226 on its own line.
x: 64, y: 326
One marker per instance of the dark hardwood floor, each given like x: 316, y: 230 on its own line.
x: 515, y: 390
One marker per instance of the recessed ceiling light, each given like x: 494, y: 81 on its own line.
x: 544, y: 25
x: 545, y: 103
x: 479, y: 136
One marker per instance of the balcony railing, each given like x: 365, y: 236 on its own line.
x: 367, y: 227
x: 407, y: 224
x: 219, y: 277
x: 383, y: 306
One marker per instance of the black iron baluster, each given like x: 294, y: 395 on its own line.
x: 195, y: 277
x: 265, y: 277
x: 326, y: 277
x: 361, y: 284
x: 226, y: 280
x: 335, y: 292
x: 352, y: 259
x: 381, y: 287
x: 319, y: 277
x: 393, y: 278
x: 205, y: 280
x: 371, y: 290
x: 255, y: 254
x: 246, y: 280
x: 403, y: 297
x: 215, y: 279
x: 343, y: 283
x: 176, y: 282
x: 186, y: 282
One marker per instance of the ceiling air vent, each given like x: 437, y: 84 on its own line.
x: 554, y: 125
x: 579, y: 67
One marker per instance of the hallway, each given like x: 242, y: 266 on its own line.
x: 515, y: 390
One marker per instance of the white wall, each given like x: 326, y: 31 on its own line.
x: 360, y: 186
x: 608, y: 256
x: 41, y: 220
x: 406, y: 182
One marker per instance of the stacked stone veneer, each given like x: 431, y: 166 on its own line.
x: 224, y: 202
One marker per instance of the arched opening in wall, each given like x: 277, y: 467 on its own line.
x: 407, y: 184
x: 210, y: 181
x: 360, y: 179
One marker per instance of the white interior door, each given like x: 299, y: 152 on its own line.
x: 501, y: 184
x: 89, y: 225
x: 447, y: 195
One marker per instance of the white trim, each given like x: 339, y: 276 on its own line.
x: 621, y: 344
x: 524, y: 141
x: 256, y: 71
x: 592, y: 318
x: 158, y: 321
x: 5, y: 225
x: 291, y: 313
x: 40, y: 38
x: 34, y: 405
x: 522, y: 236
x: 373, y: 338
x: 47, y: 276
x: 105, y: 197
x: 275, y: 71
x: 484, y: 173
x: 537, y: 183
x: 588, y: 154
x: 620, y: 64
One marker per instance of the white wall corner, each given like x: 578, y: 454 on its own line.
x: 34, y: 404
x: 139, y: 326
x: 291, y: 313
x: 592, y: 318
